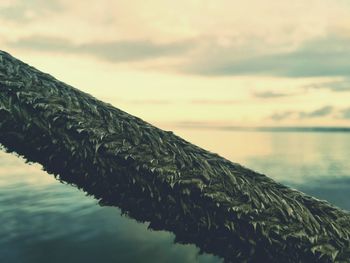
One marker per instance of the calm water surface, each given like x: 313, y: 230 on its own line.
x: 43, y: 220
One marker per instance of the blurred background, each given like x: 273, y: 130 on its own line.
x: 211, y: 71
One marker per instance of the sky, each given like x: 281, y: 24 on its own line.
x: 194, y: 62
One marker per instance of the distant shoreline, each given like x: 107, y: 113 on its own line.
x: 267, y: 129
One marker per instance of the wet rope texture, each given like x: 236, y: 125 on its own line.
x: 155, y: 176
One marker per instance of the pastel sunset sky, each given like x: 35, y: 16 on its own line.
x: 194, y: 62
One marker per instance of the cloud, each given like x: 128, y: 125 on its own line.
x: 337, y: 86
x: 281, y: 116
x: 273, y: 46
x: 321, y: 112
x: 41, y: 43
x: 27, y: 10
x: 270, y: 94
x: 345, y: 114
x: 327, y: 56
x: 116, y: 51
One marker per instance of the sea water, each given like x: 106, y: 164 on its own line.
x: 43, y: 220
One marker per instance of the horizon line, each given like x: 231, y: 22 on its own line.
x: 340, y: 129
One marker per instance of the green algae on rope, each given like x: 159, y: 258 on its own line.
x: 156, y: 176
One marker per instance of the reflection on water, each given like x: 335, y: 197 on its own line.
x: 45, y: 221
